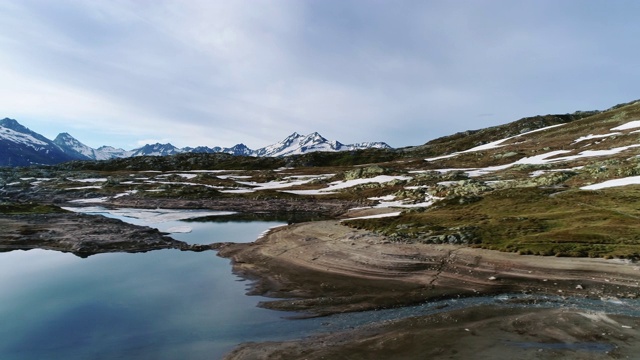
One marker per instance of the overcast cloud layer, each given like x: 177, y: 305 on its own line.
x: 217, y: 73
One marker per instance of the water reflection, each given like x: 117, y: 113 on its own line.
x: 162, y: 304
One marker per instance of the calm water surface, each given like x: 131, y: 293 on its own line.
x: 163, y: 304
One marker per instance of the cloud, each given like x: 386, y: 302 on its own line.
x: 221, y: 72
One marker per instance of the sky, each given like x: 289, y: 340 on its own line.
x: 219, y: 72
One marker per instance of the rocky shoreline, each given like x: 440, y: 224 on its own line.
x: 86, y: 235
x: 82, y: 235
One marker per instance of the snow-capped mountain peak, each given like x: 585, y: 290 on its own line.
x: 20, y: 146
x: 71, y: 145
x: 75, y: 148
x: 156, y: 149
x: 300, y: 144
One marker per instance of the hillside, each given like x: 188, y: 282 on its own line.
x: 540, y: 185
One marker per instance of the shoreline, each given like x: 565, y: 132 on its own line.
x: 480, y: 332
x: 82, y: 235
x: 323, y: 267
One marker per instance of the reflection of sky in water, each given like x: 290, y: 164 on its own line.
x: 162, y: 304
x: 170, y: 221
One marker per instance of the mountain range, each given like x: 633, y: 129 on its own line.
x: 20, y: 146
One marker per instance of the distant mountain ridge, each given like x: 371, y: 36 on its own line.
x: 71, y: 146
x: 20, y: 146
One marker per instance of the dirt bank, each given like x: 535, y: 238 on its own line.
x: 325, y: 267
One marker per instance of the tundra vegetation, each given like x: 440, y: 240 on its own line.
x: 521, y: 187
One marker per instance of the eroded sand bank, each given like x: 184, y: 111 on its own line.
x: 324, y: 267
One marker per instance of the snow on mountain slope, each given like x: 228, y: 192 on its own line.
x: 74, y: 147
x: 19, y: 146
x: 22, y: 138
x: 296, y: 144
x: 156, y: 149
x: 15, y: 138
x: 109, y: 152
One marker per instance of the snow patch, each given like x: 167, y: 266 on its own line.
x: 84, y: 187
x: 632, y: 180
x: 630, y: 125
x: 126, y: 193
x: 378, y: 216
x: 90, y: 180
x: 339, y: 185
x: 90, y: 200
x: 383, y: 198
x: 591, y: 136
x: 287, y: 182
x: 187, y: 176
x: 151, y: 216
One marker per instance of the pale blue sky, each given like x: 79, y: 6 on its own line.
x: 216, y: 73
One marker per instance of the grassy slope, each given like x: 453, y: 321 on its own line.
x: 532, y: 221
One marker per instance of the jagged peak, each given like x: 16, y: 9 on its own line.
x: 14, y: 125
x: 64, y: 136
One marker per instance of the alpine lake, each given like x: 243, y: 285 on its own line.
x: 166, y: 304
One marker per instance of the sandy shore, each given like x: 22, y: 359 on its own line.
x: 320, y: 268
x: 325, y: 267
